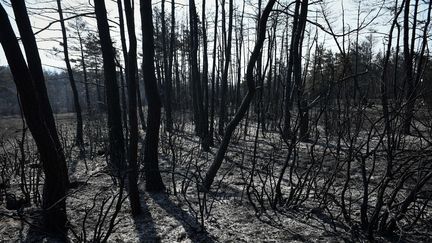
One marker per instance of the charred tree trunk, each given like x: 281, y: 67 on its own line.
x: 217, y: 162
x: 168, y: 74
x: 79, y: 127
x: 39, y: 118
x: 193, y: 61
x: 84, y: 66
x: 212, y: 101
x: 151, y: 163
x: 301, y: 95
x: 35, y: 65
x: 224, y: 82
x: 201, y: 121
x: 408, y: 61
x: 123, y: 104
x: 140, y: 107
x: 115, y: 133
x: 239, y: 46
x: 124, y: 107
x: 288, y: 84
x: 172, y: 53
x: 205, y: 126
x: 131, y: 78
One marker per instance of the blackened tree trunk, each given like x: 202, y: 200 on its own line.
x: 288, y: 84
x: 35, y: 107
x: 172, y: 52
x: 122, y: 32
x: 201, y: 118
x: 122, y: 83
x: 168, y: 73
x: 140, y: 108
x: 259, y: 75
x: 301, y: 94
x: 239, y: 46
x: 84, y: 67
x: 35, y: 65
x: 115, y: 133
x: 151, y: 164
x: 408, y: 61
x: 193, y: 62
x: 212, y: 101
x: 204, y: 120
x: 224, y: 82
x: 131, y: 78
x: 217, y: 162
x: 123, y: 104
x: 79, y: 127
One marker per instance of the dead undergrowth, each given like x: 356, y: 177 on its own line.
x: 317, y: 201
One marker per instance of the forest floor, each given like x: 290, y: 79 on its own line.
x: 176, y: 218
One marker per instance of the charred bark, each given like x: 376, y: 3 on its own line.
x: 151, y: 162
x: 217, y: 162
x: 115, y: 133
x: 79, y: 126
x: 42, y: 128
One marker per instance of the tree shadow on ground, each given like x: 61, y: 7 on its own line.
x: 193, y: 230
x: 145, y: 225
x: 35, y: 232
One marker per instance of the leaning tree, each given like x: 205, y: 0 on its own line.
x: 38, y: 114
x: 217, y: 162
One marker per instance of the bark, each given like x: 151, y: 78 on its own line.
x: 259, y: 78
x: 124, y: 106
x: 239, y: 46
x: 205, y: 142
x: 35, y: 108
x: 301, y: 94
x: 151, y: 165
x: 201, y: 121
x: 122, y: 32
x: 224, y: 82
x: 79, y: 127
x: 122, y: 84
x: 131, y: 79
x: 140, y: 108
x: 193, y: 60
x: 115, y: 133
x: 212, y: 102
x: 168, y: 73
x: 84, y: 66
x: 217, y: 162
x: 172, y: 47
x: 35, y: 66
x: 408, y: 61
x: 288, y: 84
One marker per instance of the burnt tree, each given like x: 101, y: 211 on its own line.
x: 217, y: 162
x: 201, y: 119
x: 115, y: 133
x: 131, y: 78
x: 223, y: 112
x: 168, y: 73
x: 77, y: 106
x: 151, y: 162
x: 38, y: 115
x: 213, y: 76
